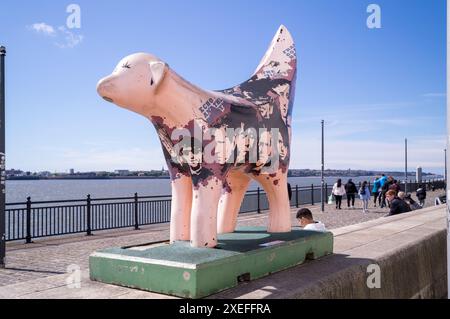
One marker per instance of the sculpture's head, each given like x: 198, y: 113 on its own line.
x: 134, y: 82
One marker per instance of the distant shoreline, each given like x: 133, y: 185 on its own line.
x: 39, y: 178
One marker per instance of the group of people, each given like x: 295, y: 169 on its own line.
x: 385, y: 191
x: 350, y: 190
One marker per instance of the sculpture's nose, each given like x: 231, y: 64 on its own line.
x: 105, y: 89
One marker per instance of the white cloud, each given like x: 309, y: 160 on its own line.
x: 43, y: 28
x: 71, y: 39
x: 424, y: 151
x: 344, y: 110
x: 434, y: 95
x: 65, y: 39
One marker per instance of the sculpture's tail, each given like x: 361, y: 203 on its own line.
x: 273, y: 82
x: 280, y: 58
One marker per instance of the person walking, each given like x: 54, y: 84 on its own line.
x: 421, y: 195
x: 338, y: 192
x: 364, y: 195
x: 351, y: 191
x: 376, y: 191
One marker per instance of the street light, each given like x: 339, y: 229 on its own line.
x: 2, y: 158
x: 448, y: 123
x: 406, y: 166
x: 445, y: 163
x: 322, y: 196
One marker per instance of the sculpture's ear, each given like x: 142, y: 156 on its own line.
x: 158, y: 71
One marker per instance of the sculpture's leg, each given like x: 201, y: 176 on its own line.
x: 180, y: 222
x: 230, y: 203
x: 279, y: 207
x: 204, y: 213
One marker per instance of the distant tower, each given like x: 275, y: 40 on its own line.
x: 72, y: 171
x: 419, y: 174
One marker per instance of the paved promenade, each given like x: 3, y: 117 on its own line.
x: 47, y: 260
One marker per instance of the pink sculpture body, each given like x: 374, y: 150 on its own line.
x: 216, y: 142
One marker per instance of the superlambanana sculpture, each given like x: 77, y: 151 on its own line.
x: 216, y: 142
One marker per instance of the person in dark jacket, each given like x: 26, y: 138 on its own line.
x: 398, y: 206
x: 421, y: 195
x: 384, y: 190
x: 351, y: 191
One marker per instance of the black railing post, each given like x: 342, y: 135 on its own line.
x: 88, y: 216
x: 28, y: 237
x: 296, y: 196
x: 259, y: 203
x: 136, y: 212
x: 312, y: 194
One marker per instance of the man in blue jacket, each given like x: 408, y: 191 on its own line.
x: 376, y: 191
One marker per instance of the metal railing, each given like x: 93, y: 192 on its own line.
x: 28, y: 220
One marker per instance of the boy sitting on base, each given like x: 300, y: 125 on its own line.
x: 306, y: 220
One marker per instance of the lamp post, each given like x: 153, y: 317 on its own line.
x: 448, y: 136
x: 2, y: 158
x: 322, y: 180
x: 445, y: 163
x: 406, y: 166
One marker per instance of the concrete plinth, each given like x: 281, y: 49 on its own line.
x: 183, y: 271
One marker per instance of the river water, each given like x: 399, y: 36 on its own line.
x: 43, y: 190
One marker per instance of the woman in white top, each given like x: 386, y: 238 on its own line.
x: 338, y: 191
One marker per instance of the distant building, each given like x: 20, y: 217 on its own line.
x: 122, y: 172
x: 419, y: 174
x: 102, y: 174
x: 45, y: 174
x: 14, y: 172
x: 71, y: 171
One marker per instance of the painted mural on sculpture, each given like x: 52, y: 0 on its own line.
x: 216, y: 142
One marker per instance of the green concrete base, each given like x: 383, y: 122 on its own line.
x: 183, y: 271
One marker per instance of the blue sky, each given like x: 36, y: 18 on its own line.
x: 373, y: 87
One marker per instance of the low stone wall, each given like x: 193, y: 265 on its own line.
x: 409, y: 251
